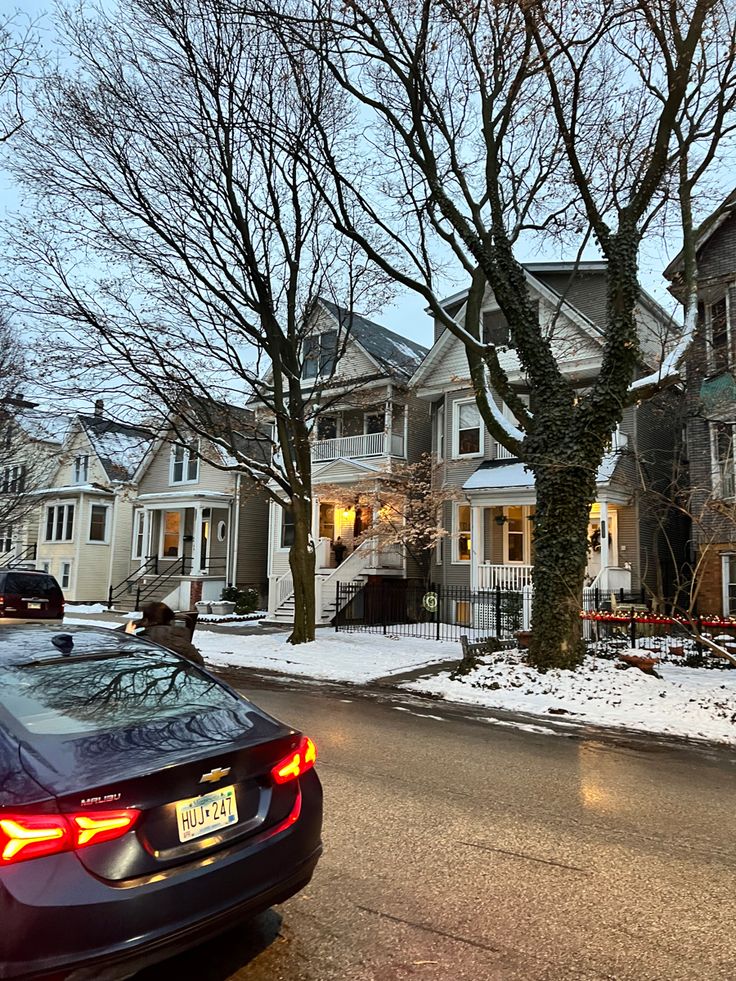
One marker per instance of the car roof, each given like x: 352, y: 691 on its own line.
x: 24, y: 643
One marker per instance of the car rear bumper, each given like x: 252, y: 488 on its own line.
x: 76, y: 926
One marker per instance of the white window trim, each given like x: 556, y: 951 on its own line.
x: 79, y: 478
x: 284, y: 549
x: 440, y: 433
x: 75, y: 521
x: 527, y: 538
x: 139, y: 523
x: 184, y: 466
x: 716, y: 478
x: 62, y: 563
x: 180, y: 549
x: 465, y: 563
x: 94, y: 541
x: 710, y: 350
x: 725, y: 557
x: 456, y: 455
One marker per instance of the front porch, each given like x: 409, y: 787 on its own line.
x: 497, y: 542
x: 182, y: 552
x: 349, y: 433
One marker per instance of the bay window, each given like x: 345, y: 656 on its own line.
x: 59, y: 523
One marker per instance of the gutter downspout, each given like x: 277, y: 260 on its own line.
x: 113, y: 533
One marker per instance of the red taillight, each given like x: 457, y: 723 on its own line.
x: 296, y: 763
x: 24, y: 836
x: 91, y: 828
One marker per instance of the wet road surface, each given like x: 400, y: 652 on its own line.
x: 461, y: 850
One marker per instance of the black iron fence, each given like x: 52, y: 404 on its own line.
x: 408, y: 609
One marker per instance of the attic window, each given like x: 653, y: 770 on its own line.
x: 81, y: 468
x: 184, y: 463
x: 320, y: 354
x: 495, y: 329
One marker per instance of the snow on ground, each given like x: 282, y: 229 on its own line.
x: 232, y: 617
x: 74, y: 608
x: 333, y: 656
x: 695, y: 702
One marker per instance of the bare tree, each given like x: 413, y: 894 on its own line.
x: 498, y: 121
x: 18, y: 46
x: 180, y: 245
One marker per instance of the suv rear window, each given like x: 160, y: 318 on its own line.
x: 29, y: 584
x: 103, y: 694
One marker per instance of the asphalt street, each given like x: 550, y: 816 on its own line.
x: 461, y: 849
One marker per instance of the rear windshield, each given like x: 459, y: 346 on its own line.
x: 29, y: 584
x: 117, y: 692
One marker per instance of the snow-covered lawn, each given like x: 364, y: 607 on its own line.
x: 333, y: 656
x: 695, y: 702
x: 72, y: 608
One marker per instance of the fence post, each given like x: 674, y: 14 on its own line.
x: 337, y: 605
x: 632, y: 629
x: 498, y: 611
x: 698, y: 645
x: 109, y: 599
x: 138, y: 597
x: 437, y: 611
x: 527, y: 593
x: 596, y: 598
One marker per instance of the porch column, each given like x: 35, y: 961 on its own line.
x: 388, y: 422
x: 197, y: 543
x: 315, y: 520
x: 604, y: 540
x: 476, y: 545
x: 146, y: 548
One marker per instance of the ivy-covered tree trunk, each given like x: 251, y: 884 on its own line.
x: 564, y: 497
x: 302, y: 563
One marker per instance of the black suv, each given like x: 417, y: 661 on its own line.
x: 29, y: 595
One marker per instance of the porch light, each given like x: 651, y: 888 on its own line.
x: 346, y: 512
x: 501, y: 519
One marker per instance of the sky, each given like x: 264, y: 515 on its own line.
x: 406, y: 314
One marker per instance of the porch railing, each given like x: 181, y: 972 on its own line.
x: 351, y: 447
x: 18, y: 553
x: 512, y: 577
x: 503, y: 454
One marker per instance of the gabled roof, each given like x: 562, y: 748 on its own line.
x: 119, y: 446
x: 707, y: 228
x: 41, y: 426
x: 392, y: 351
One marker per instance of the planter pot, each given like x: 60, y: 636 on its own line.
x: 202, y: 607
x: 223, y: 608
x: 523, y: 639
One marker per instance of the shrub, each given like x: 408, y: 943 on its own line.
x: 246, y: 600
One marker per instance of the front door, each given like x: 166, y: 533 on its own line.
x: 327, y: 521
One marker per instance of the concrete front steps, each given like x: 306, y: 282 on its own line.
x: 126, y: 603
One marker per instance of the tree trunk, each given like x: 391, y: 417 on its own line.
x: 301, y: 561
x: 564, y: 497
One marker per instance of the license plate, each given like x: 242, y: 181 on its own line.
x: 34, y: 606
x: 203, y: 815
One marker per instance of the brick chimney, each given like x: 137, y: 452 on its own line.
x: 99, y: 408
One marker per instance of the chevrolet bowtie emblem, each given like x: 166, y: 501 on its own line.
x: 214, y: 775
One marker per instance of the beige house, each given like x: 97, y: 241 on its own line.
x: 197, y: 526
x: 374, y: 421
x: 489, y: 539
x: 85, y: 518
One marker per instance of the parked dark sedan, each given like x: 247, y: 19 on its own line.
x: 144, y: 804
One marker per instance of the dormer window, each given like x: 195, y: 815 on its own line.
x: 81, y: 468
x: 320, y: 354
x: 184, y: 463
x: 495, y: 329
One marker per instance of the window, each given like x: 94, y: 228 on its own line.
x: 374, y: 422
x: 13, y: 479
x: 724, y: 477
x: 718, y: 318
x: 729, y: 585
x: 495, y: 329
x: 98, y: 523
x: 462, y: 533
x: 6, y: 538
x: 468, y: 431
x: 319, y: 354
x: 287, y: 528
x: 81, y: 468
x: 171, y: 526
x: 184, y: 463
x: 327, y: 521
x: 440, y: 431
x: 515, y: 536
x: 66, y: 575
x: 327, y: 427
x: 138, y: 531
x: 60, y: 523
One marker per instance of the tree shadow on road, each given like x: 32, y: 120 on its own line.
x: 223, y: 956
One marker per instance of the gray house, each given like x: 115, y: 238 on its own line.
x: 711, y: 410
x: 489, y: 540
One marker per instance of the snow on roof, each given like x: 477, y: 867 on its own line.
x: 120, y: 446
x: 46, y: 427
x: 492, y: 475
x: 391, y: 350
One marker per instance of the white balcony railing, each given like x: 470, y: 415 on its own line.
x: 353, y: 447
x: 503, y: 454
x: 505, y: 576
